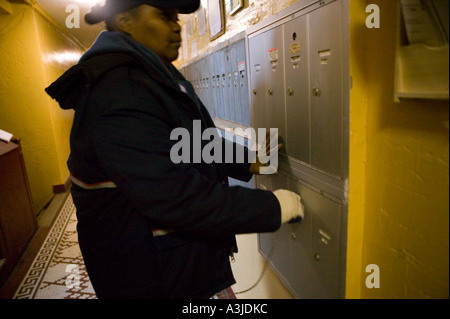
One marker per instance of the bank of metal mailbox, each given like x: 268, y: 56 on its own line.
x: 220, y: 80
x: 297, y: 85
x: 307, y: 256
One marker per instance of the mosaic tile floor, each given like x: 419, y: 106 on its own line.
x: 58, y: 270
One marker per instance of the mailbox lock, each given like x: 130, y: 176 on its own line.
x: 316, y: 92
x: 254, y: 91
x: 290, y: 91
x: 270, y: 91
x: 317, y: 257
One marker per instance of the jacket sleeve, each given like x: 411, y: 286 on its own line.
x: 239, y: 166
x: 131, y: 139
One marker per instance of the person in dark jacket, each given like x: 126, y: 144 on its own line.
x: 149, y: 227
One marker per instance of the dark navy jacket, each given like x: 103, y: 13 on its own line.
x: 127, y: 102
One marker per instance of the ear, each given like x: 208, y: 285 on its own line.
x: 123, y: 22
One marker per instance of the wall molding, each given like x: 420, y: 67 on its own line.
x: 5, y: 7
x: 38, y: 8
x: 62, y: 188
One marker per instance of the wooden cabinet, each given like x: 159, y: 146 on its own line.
x: 17, y: 218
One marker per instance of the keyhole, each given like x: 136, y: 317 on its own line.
x: 294, y: 36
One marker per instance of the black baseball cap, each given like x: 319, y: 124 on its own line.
x: 112, y: 7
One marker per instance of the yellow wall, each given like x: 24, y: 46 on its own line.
x: 25, y: 109
x: 58, y: 53
x: 398, y: 207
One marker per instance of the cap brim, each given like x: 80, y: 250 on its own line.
x: 101, y: 13
x: 97, y: 15
x: 189, y: 6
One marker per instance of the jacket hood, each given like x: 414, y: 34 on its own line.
x: 110, y: 50
x: 118, y: 42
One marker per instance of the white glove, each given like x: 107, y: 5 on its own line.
x: 291, y: 205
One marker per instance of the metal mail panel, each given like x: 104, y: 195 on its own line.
x: 258, y: 83
x: 217, y: 79
x: 315, y: 250
x: 243, y: 82
x: 326, y: 60
x: 235, y: 92
x: 297, y: 89
x: 274, y: 65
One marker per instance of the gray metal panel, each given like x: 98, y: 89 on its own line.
x: 228, y: 90
x: 212, y: 84
x: 236, y: 94
x: 221, y: 68
x: 209, y: 66
x: 258, y: 84
x: 274, y: 61
x: 243, y: 81
x: 263, y: 182
x: 194, y: 68
x: 316, y: 249
x: 218, y: 84
x: 277, y: 245
x: 198, y: 79
x: 326, y: 228
x: 306, y: 255
x: 203, y: 74
x: 297, y: 89
x: 234, y: 107
x: 326, y: 59
x: 302, y: 258
x: 333, y: 187
x: 265, y: 240
x: 199, y: 75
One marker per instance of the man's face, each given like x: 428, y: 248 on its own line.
x: 158, y: 30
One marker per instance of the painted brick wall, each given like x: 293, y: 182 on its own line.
x: 253, y: 12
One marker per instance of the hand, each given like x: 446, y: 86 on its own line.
x: 291, y: 205
x: 272, y: 148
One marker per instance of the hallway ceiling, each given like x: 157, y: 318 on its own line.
x: 86, y: 34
